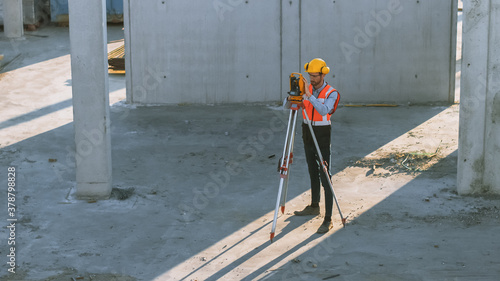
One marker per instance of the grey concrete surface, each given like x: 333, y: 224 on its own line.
x: 388, y: 51
x: 195, y: 187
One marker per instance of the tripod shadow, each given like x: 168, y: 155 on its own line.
x: 293, y: 224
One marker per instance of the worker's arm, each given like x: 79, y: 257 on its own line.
x: 324, y: 108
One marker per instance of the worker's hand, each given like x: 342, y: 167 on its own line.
x: 306, y: 86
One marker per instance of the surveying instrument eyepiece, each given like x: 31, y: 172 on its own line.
x: 295, y: 98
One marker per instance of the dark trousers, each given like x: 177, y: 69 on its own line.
x: 323, y: 136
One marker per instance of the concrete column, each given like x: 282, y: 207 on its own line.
x: 128, y: 51
x: 479, y: 135
x: 89, y: 67
x: 13, y: 18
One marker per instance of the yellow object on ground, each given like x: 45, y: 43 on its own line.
x: 371, y: 105
x: 116, y: 60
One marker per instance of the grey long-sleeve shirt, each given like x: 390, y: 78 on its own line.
x: 322, y: 108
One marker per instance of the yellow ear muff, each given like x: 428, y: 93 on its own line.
x: 306, y: 66
x: 325, y: 69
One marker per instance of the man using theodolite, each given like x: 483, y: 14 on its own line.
x: 320, y: 101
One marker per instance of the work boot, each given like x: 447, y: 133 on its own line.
x: 308, y: 211
x: 325, y: 227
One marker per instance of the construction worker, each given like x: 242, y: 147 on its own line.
x: 320, y: 101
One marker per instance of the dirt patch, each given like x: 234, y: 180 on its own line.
x: 121, y: 194
x: 70, y: 274
x: 89, y: 277
x: 399, y: 162
x: 467, y: 219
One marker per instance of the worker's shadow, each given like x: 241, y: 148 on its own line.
x: 294, y: 222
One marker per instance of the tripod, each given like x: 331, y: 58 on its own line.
x: 287, y: 159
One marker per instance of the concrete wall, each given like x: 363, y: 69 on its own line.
x: 385, y: 50
x: 33, y: 11
x: 225, y: 51
x: 210, y: 54
x: 479, y: 139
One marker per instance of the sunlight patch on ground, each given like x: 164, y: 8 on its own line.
x: 21, y: 127
x: 248, y: 253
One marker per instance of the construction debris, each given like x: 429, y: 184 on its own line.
x: 116, y: 60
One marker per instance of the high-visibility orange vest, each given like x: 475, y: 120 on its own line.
x: 316, y: 118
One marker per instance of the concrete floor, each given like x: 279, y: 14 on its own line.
x: 195, y: 188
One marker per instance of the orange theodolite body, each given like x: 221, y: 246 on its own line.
x: 296, y: 88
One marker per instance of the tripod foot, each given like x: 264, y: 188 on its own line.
x: 282, y: 209
x: 344, y: 221
x: 272, y: 236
